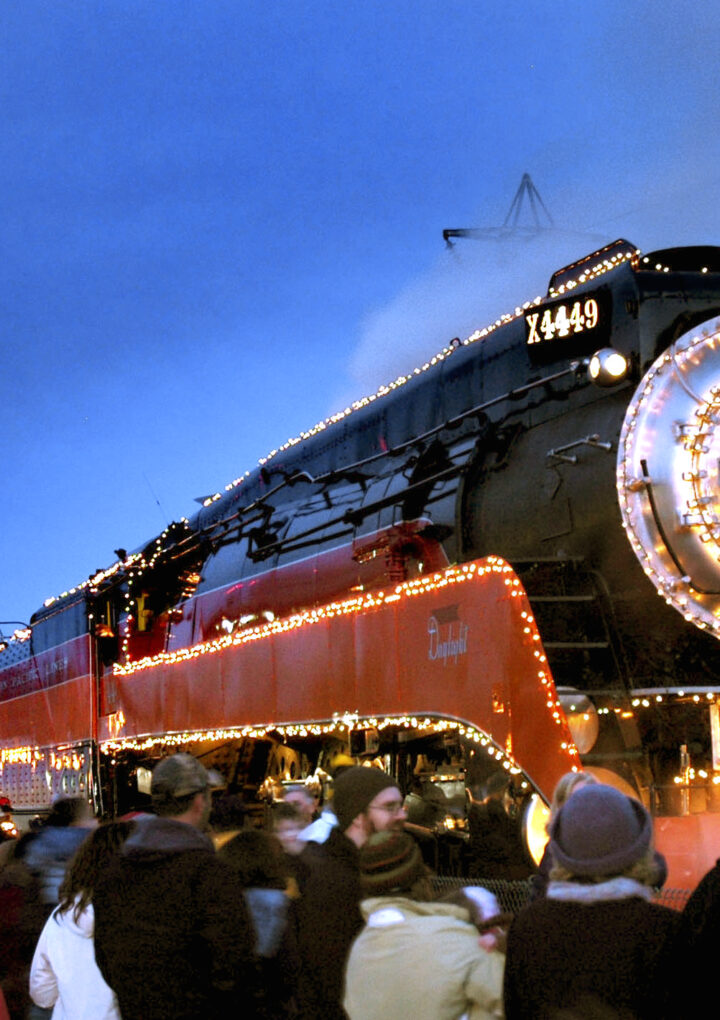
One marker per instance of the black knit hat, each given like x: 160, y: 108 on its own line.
x: 390, y: 861
x: 600, y: 831
x: 353, y: 791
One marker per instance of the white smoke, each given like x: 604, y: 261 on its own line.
x: 467, y: 288
x: 475, y: 282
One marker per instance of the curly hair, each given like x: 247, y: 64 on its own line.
x: 89, y: 862
x: 646, y: 871
x: 565, y: 786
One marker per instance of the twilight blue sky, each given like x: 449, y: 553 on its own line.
x: 221, y: 221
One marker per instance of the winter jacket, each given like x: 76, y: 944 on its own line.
x: 421, y: 960
x: 495, y: 849
x: 328, y: 919
x: 273, y: 918
x: 586, y: 948
x: 269, y: 912
x: 48, y: 854
x: 22, y: 916
x: 172, y: 933
x: 693, y: 951
x: 64, y: 973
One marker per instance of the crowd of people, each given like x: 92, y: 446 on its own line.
x: 335, y: 916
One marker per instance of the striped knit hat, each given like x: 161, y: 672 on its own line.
x: 390, y: 862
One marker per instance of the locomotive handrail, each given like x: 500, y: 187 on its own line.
x: 355, y: 516
x: 453, y: 423
x: 192, y: 539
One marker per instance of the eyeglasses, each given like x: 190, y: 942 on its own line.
x: 393, y: 807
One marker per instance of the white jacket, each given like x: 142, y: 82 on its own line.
x: 64, y: 973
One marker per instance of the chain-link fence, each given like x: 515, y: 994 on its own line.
x: 512, y: 896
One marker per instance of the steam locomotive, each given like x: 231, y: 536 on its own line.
x: 574, y: 437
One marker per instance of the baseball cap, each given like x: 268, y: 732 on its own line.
x: 181, y: 775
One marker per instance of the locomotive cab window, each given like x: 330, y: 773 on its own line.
x: 55, y: 628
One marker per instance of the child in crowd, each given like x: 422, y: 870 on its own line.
x: 257, y: 858
x: 566, y: 786
x: 288, y: 826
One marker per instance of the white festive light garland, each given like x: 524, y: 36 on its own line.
x: 586, y: 275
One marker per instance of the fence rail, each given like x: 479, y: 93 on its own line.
x: 512, y: 896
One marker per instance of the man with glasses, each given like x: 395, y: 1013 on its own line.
x: 366, y: 800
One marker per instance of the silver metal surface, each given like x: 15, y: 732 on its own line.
x: 668, y: 475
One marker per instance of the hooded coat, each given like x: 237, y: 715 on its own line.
x: 421, y: 960
x: 172, y: 933
x: 64, y: 974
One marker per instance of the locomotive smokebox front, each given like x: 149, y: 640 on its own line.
x: 667, y: 475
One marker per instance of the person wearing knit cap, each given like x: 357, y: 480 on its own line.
x: 416, y: 957
x: 365, y: 800
x: 390, y: 862
x: 596, y: 942
x: 568, y: 784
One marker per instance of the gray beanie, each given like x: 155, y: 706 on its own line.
x: 600, y: 831
x: 354, y: 789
